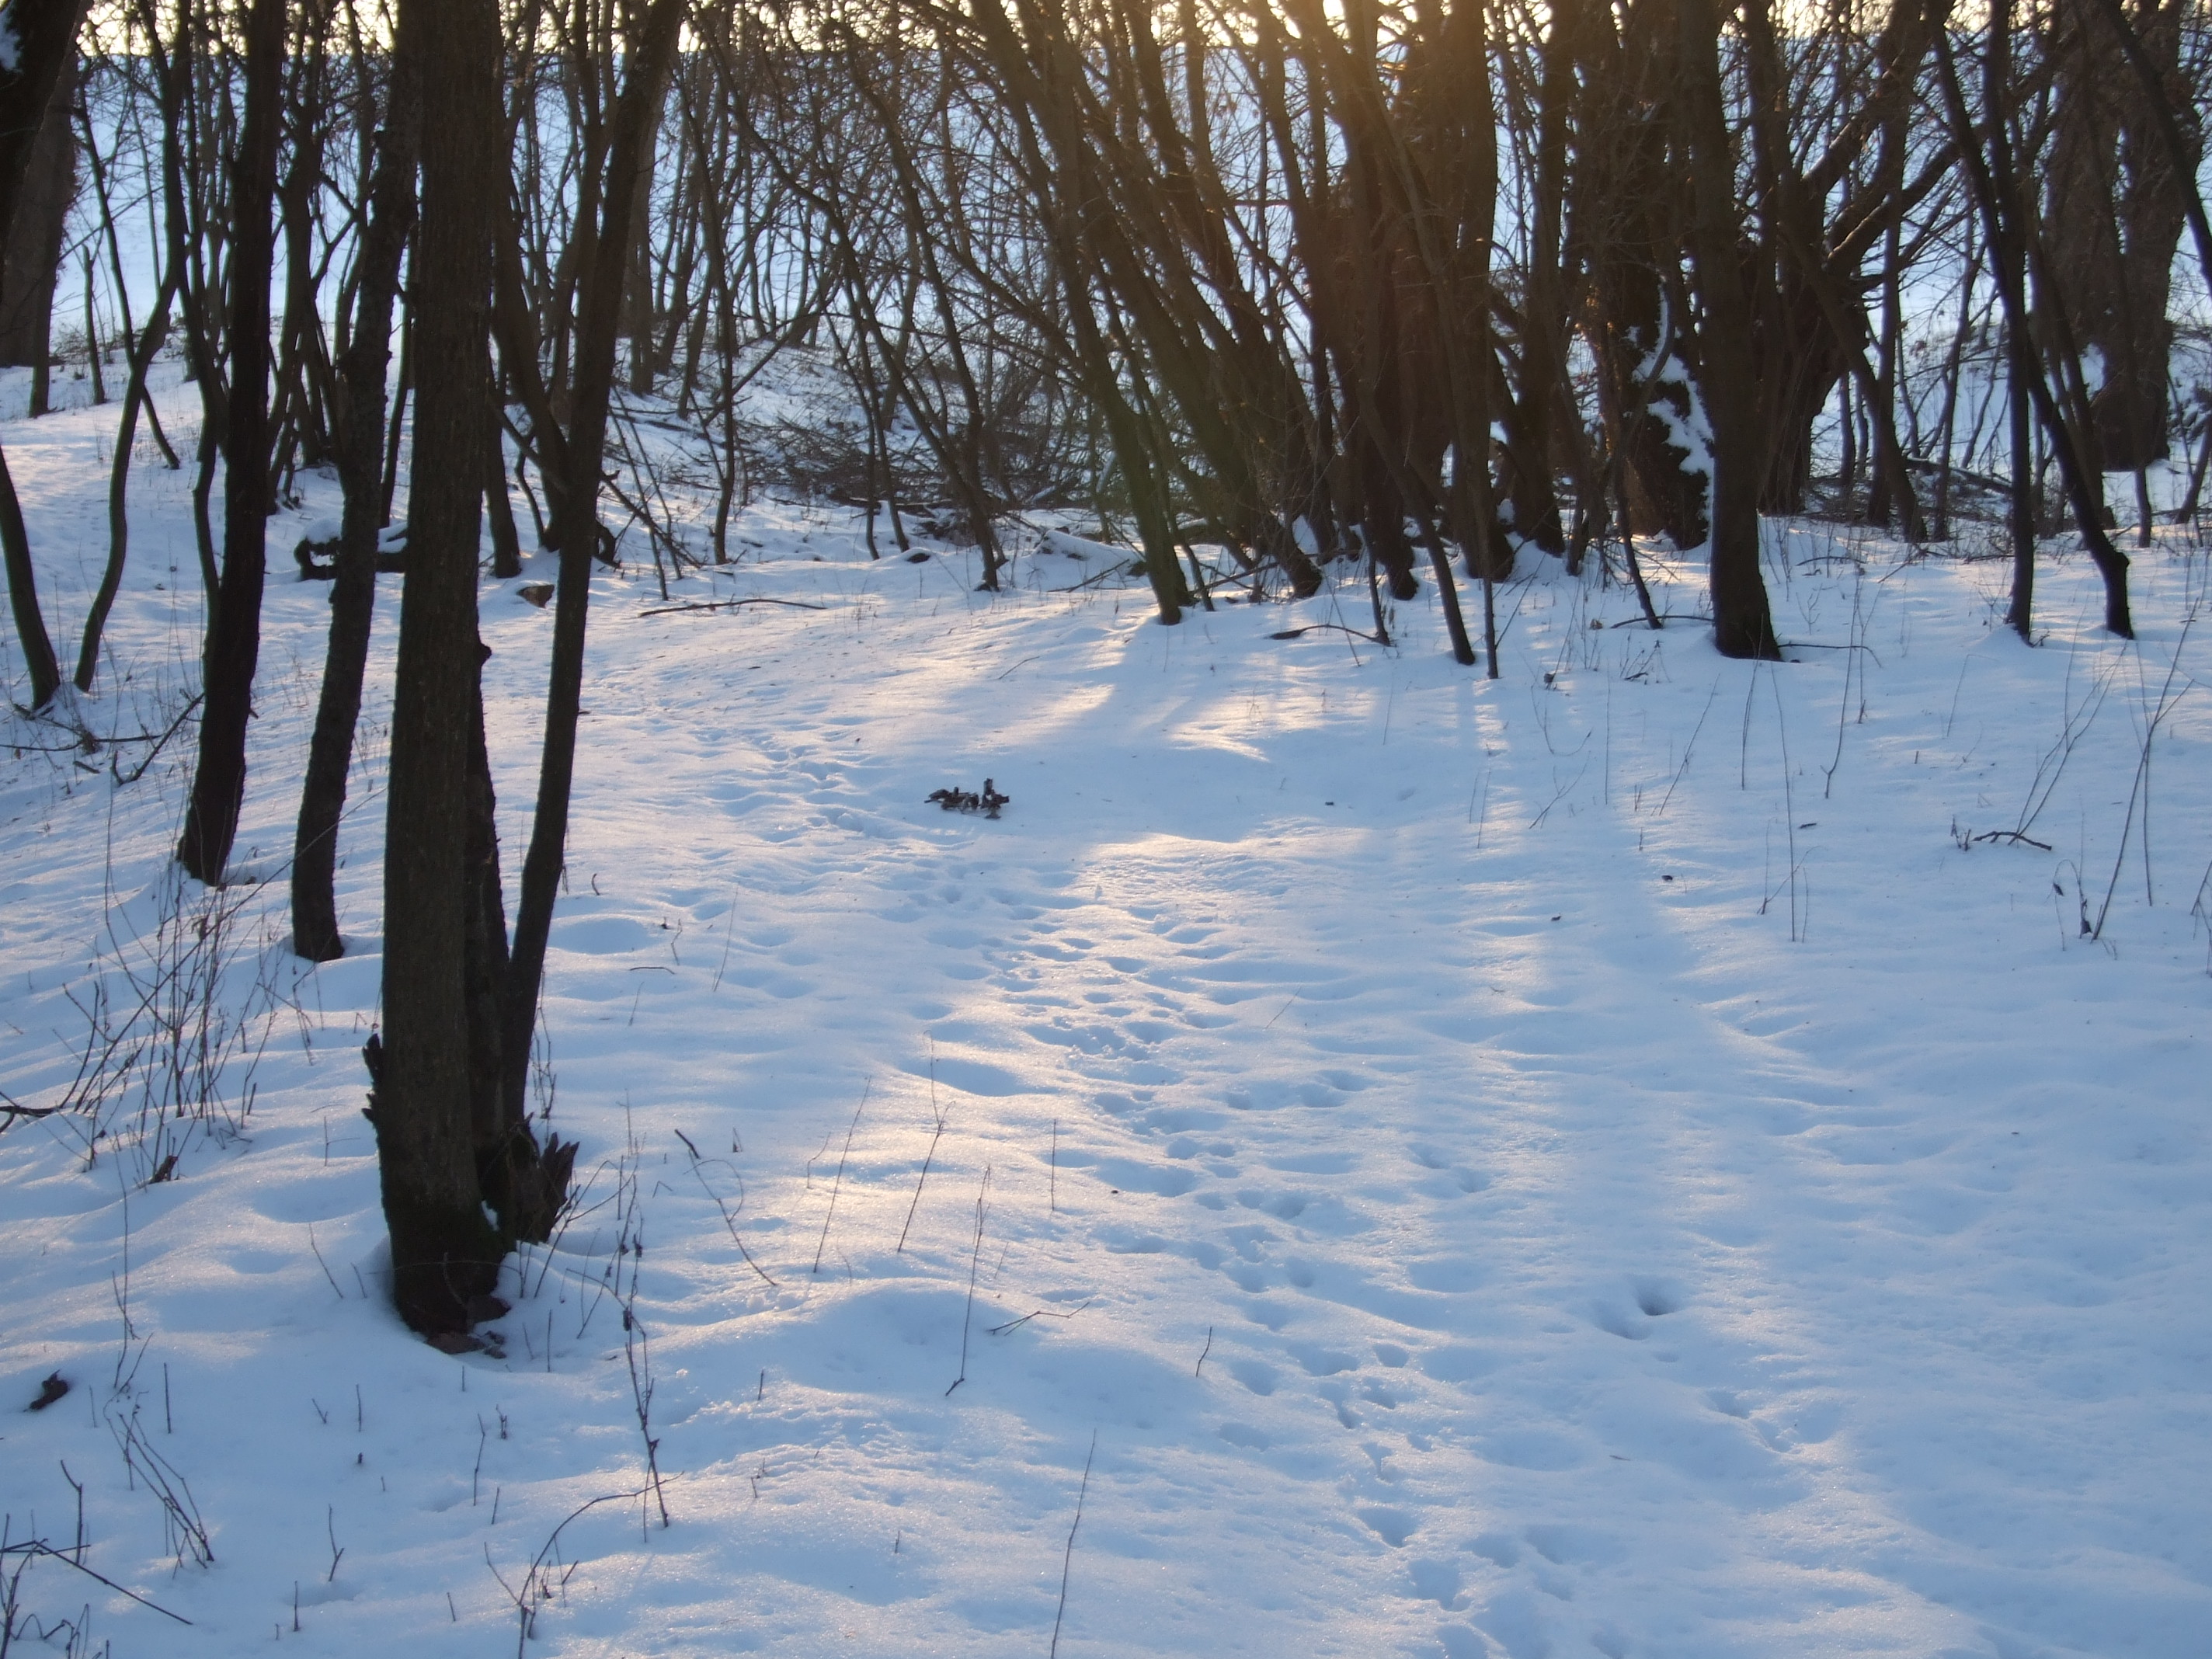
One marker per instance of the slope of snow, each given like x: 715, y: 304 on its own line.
x: 1632, y: 1157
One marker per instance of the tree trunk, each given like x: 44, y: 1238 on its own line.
x: 1627, y: 201
x: 499, y: 505
x: 582, y: 449
x: 1741, y: 624
x: 45, y: 48
x: 2115, y: 206
x: 1537, y: 413
x: 118, y: 479
x: 34, y: 235
x: 2003, y: 219
x: 637, y: 322
x: 360, y: 447
x: 443, y: 1251
x: 233, y: 639
x: 24, y: 596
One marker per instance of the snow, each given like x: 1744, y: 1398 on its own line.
x: 1630, y: 1157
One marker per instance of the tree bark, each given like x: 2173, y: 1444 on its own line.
x: 234, y: 638
x: 1743, y: 626
x: 118, y: 479
x: 360, y: 446
x: 581, y: 451
x: 35, y: 235
x: 2003, y: 219
x: 499, y: 505
x: 444, y: 1252
x: 2115, y: 208
x: 45, y: 46
x: 24, y: 596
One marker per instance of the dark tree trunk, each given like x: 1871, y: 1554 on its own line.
x: 35, y: 235
x: 499, y: 505
x: 46, y: 49
x: 581, y: 450
x: 360, y: 446
x: 1627, y: 208
x: 443, y: 1251
x: 2115, y: 206
x: 1537, y: 413
x: 185, y: 236
x: 2002, y: 217
x: 1741, y: 624
x: 637, y: 322
x: 24, y: 596
x: 233, y: 639
x: 298, y: 421
x: 45, y: 33
x: 118, y: 479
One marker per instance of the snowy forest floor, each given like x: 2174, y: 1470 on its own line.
x: 1632, y: 1157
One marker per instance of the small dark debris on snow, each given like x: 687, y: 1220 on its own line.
x: 968, y: 800
x: 917, y: 558
x: 538, y: 593
x: 49, y: 1391
x: 318, y: 560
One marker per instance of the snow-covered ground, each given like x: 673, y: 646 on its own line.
x: 1631, y: 1158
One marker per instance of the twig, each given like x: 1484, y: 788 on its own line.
x: 533, y: 1581
x: 1688, y: 749
x: 975, y: 1263
x: 323, y: 1265
x: 2167, y: 697
x: 941, y: 1116
x: 838, y: 1185
x: 139, y: 771
x: 1042, y: 1313
x: 1208, y: 1349
x: 729, y: 938
x: 1067, y: 1561
x: 729, y: 1220
x: 38, y: 1547
x: 2016, y: 837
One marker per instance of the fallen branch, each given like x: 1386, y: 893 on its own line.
x: 2015, y: 838
x: 1357, y: 633
x: 729, y: 604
